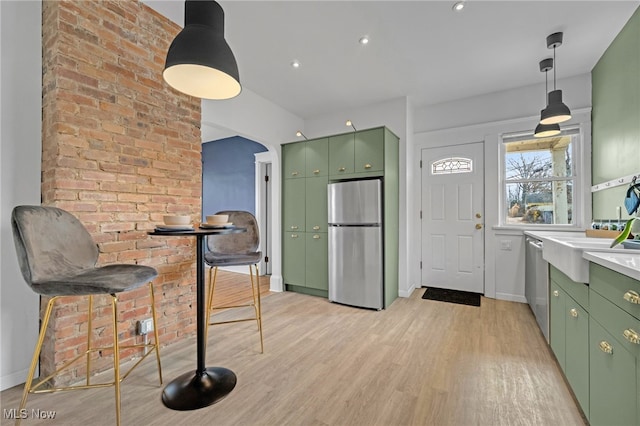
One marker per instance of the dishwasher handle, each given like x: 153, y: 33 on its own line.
x: 537, y: 244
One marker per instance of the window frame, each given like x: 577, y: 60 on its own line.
x: 577, y: 179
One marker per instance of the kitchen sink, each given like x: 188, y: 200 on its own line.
x: 566, y: 254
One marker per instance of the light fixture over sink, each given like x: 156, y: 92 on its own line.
x: 546, y: 130
x: 199, y: 62
x: 556, y: 111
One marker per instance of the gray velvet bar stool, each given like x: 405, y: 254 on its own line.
x: 236, y: 250
x: 57, y: 257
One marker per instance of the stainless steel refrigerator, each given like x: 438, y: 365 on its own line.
x: 355, y: 243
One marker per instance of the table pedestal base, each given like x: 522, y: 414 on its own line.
x: 192, y: 391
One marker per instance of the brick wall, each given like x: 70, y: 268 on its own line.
x: 120, y: 150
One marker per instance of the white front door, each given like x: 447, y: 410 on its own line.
x: 453, y: 217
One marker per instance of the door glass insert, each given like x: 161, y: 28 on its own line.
x: 452, y: 165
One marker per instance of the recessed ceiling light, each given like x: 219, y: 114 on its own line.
x: 295, y: 63
x: 364, y: 40
x: 458, y: 6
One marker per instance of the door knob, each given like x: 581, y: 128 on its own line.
x: 478, y: 215
x: 478, y: 226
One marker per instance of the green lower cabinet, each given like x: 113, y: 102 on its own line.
x: 557, y: 320
x: 569, y: 340
x: 615, y: 378
x: 576, y: 364
x: 317, y: 261
x: 293, y: 261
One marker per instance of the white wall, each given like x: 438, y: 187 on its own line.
x: 20, y: 155
x: 260, y: 120
x: 504, y: 269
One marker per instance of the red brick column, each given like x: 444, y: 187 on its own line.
x: 120, y: 149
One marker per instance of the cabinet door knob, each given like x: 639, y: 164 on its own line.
x: 606, y: 347
x: 316, y: 171
x: 294, y: 227
x: 556, y: 293
x: 316, y: 228
x: 367, y: 166
x: 631, y: 336
x: 294, y: 173
x: 341, y: 169
x: 316, y: 237
x: 294, y: 235
x: 573, y: 312
x: 632, y: 297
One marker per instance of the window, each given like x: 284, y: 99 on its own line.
x: 452, y: 165
x: 539, y: 179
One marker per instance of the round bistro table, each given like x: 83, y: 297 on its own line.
x: 206, y: 385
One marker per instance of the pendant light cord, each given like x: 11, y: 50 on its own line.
x: 554, y: 67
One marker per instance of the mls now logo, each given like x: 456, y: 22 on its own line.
x: 35, y: 413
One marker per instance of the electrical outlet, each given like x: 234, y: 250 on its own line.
x: 145, y: 326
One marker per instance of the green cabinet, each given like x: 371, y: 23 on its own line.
x: 614, y: 394
x: 316, y: 204
x: 614, y: 345
x: 293, y: 211
x: 293, y: 160
x: 317, y: 157
x: 294, y: 246
x: 307, y: 169
x: 357, y: 154
x: 369, y: 151
x: 317, y: 267
x: 341, y: 154
x: 569, y: 333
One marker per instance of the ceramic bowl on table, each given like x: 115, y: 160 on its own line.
x: 177, y: 220
x: 217, y: 219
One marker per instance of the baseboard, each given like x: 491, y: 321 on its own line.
x: 511, y: 297
x: 276, y: 284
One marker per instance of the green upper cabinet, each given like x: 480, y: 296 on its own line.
x: 369, y: 151
x: 317, y: 157
x: 293, y: 160
x: 341, y: 154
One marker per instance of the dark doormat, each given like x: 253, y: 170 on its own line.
x: 452, y: 296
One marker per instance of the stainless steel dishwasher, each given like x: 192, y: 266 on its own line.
x: 536, y: 283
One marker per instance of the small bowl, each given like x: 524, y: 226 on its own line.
x: 176, y: 220
x: 217, y: 219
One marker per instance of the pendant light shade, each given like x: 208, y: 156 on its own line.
x: 546, y: 130
x: 556, y: 111
x: 199, y: 62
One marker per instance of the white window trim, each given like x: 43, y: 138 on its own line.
x: 581, y: 206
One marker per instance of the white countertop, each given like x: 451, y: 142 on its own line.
x: 625, y: 263
x: 565, y: 250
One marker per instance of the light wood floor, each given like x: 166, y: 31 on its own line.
x: 419, y: 362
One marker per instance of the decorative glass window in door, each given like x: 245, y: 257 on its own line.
x: 452, y: 165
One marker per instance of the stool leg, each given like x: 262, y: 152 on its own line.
x: 256, y: 301
x: 36, y: 356
x: 213, y: 274
x: 116, y: 356
x: 155, y: 330
x: 89, y: 328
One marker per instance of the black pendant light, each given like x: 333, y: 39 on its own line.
x: 199, y: 62
x: 546, y: 130
x: 556, y: 111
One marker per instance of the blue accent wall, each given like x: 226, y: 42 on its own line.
x: 228, y: 175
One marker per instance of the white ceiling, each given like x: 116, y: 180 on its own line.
x: 420, y: 49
